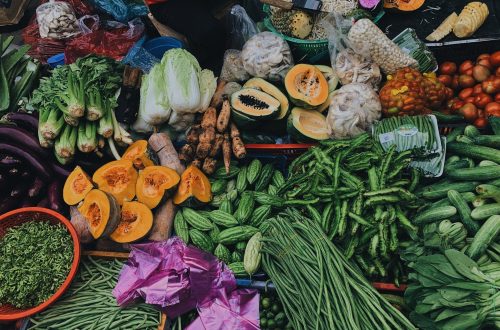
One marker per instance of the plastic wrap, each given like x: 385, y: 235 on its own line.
x: 57, y: 20
x: 232, y: 69
x: 121, y: 11
x: 367, y: 39
x: 336, y: 27
x: 266, y: 55
x: 351, y: 67
x: 12, y: 11
x: 180, y: 278
x: 110, y: 39
x: 242, y: 27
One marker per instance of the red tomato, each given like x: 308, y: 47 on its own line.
x: 480, y: 113
x: 495, y: 59
x: 484, y: 62
x: 465, y: 93
x: 497, y: 97
x: 454, y: 83
x: 466, y: 65
x: 497, y: 72
x: 470, y: 99
x: 491, y: 85
x: 469, y: 111
x: 482, y: 56
x: 445, y: 79
x: 455, y: 104
x: 482, y: 99
x: 466, y: 81
x: 477, y: 90
x: 448, y: 68
x: 481, y: 122
x: 492, y: 109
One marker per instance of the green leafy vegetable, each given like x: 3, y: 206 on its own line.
x: 35, y: 259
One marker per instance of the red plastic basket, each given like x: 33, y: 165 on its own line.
x: 16, y: 218
x: 293, y: 150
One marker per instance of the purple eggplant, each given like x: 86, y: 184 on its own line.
x: 54, y: 193
x: 24, y: 120
x: 39, y: 167
x: 23, y: 139
x: 60, y: 171
x: 9, y: 203
x: 36, y: 187
x: 8, y: 162
x: 20, y: 189
x: 43, y: 203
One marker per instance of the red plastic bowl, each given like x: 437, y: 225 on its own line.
x: 20, y: 216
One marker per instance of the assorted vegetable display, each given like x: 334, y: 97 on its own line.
x: 379, y: 192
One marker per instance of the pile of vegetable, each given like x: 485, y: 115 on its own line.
x: 271, y: 312
x: 90, y: 304
x: 29, y: 253
x: 476, y: 86
x: 206, y: 140
x: 173, y: 92
x: 29, y: 174
x: 455, y: 259
x: 119, y: 198
x: 18, y: 73
x: 361, y: 196
x: 242, y: 201
x: 319, y: 287
x: 76, y: 108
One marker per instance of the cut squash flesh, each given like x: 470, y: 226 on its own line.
x: 77, y: 186
x: 154, y: 183
x: 255, y: 104
x: 194, y: 188
x: 136, y: 220
x: 266, y: 87
x: 117, y: 178
x: 307, y: 125
x: 403, y: 5
x: 140, y: 154
x: 306, y: 86
x: 101, y: 212
x: 330, y: 75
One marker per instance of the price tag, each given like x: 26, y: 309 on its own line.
x: 386, y: 137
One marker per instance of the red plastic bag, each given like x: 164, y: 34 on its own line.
x: 112, y: 40
x: 41, y: 48
x: 81, y: 8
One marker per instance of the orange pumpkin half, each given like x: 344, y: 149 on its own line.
x: 403, y: 5
x: 117, y: 178
x: 136, y: 221
x: 194, y: 188
x: 155, y: 183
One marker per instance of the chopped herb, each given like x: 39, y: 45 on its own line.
x: 35, y: 259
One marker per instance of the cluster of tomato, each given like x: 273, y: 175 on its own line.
x: 475, y: 87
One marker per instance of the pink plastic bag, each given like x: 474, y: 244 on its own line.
x: 179, y: 278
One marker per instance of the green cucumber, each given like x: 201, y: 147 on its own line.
x: 253, y: 171
x: 181, y: 227
x: 471, y: 131
x: 223, y: 219
x: 454, y: 133
x: 196, y: 220
x: 226, y: 206
x: 223, y: 253
x: 462, y: 163
x: 260, y: 214
x: 278, y: 179
x: 485, y: 211
x: 241, y: 180
x: 265, y: 177
x: 435, y: 214
x: 245, y: 207
x: 238, y: 269
x: 488, y: 140
x: 487, y: 234
x: 440, y: 190
x: 218, y: 186
x: 201, y: 240
x: 463, y: 210
x: 474, y: 151
x: 480, y: 173
x: 236, y: 234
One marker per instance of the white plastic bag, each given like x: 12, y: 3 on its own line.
x: 57, y: 20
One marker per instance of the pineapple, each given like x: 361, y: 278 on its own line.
x: 293, y: 23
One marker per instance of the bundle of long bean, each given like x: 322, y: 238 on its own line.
x: 319, y: 288
x: 89, y: 303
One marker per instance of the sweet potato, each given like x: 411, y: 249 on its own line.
x: 226, y: 152
x: 219, y: 92
x: 209, y: 165
x: 164, y: 215
x: 224, y: 115
x: 209, y: 119
x: 193, y: 134
x: 187, y: 153
x: 219, y: 139
x: 239, y: 149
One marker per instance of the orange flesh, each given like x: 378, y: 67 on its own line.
x: 127, y: 222
x: 153, y: 182
x: 307, y: 84
x: 117, y: 179
x: 80, y: 183
x: 94, y: 215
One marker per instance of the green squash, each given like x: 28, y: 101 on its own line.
x: 255, y: 104
x: 307, y: 125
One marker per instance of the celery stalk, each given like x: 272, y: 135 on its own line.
x: 44, y: 143
x: 62, y: 160
x: 106, y: 124
x: 51, y: 123
x: 74, y: 96
x: 65, y: 143
x: 95, y: 105
x: 70, y: 120
x: 87, y: 136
